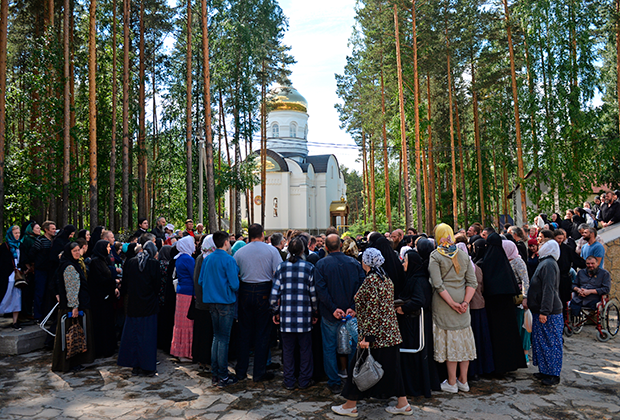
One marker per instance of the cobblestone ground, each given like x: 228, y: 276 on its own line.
x: 590, y: 389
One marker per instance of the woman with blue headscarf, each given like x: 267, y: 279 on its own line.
x: 9, y: 260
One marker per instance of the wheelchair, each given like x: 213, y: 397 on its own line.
x: 606, y: 317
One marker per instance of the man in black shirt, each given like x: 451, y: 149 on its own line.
x: 610, y: 210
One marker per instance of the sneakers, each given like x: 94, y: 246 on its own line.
x: 214, y: 380
x: 290, y: 388
x: 405, y: 411
x: 350, y: 412
x: 231, y: 380
x: 16, y: 326
x: 462, y: 387
x: 342, y: 373
x: 446, y: 387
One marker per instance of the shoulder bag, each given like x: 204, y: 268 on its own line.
x: 367, y: 373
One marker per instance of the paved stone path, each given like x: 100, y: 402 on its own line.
x: 590, y: 389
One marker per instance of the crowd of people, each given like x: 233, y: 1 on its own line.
x: 437, y: 310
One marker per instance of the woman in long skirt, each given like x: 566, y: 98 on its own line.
x: 10, y: 296
x: 183, y: 334
x: 377, y: 324
x: 543, y: 299
x: 140, y: 286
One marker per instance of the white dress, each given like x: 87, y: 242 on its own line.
x: 12, y: 301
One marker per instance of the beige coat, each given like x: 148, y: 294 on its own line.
x: 445, y: 277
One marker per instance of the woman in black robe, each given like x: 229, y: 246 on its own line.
x: 419, y: 370
x: 103, y: 291
x: 141, y: 283
x: 95, y: 236
x: 167, y: 298
x: 500, y: 286
x: 75, y: 301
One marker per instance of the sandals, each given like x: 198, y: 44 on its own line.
x: 405, y: 411
x: 351, y: 412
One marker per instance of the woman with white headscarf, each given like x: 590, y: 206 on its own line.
x: 140, y: 287
x: 203, y: 326
x: 378, y: 328
x: 183, y: 333
x: 543, y: 299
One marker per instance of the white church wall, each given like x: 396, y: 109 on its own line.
x: 286, y: 143
x: 299, y: 204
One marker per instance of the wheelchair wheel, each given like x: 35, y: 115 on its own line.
x: 611, y: 319
x: 577, y: 322
x: 568, y: 331
x: 603, y: 336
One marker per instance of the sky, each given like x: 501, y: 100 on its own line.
x: 318, y: 36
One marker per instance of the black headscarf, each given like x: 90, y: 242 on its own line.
x: 425, y: 249
x: 101, y: 251
x: 392, y: 265
x: 165, y: 253
x: 66, y: 260
x: 95, y: 236
x: 149, y: 250
x: 82, y: 233
x: 499, y: 279
x: 479, y: 250
x: 417, y: 289
x: 61, y: 240
x: 131, y: 251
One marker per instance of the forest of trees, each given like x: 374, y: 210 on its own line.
x: 454, y: 102
x: 108, y: 107
x: 102, y: 107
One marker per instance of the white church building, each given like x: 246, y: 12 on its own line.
x: 302, y: 192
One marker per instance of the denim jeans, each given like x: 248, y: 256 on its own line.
x: 222, y: 317
x: 254, y: 319
x: 329, y: 332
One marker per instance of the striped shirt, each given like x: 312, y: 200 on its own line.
x: 293, y: 296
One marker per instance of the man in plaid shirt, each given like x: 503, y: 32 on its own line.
x: 293, y: 301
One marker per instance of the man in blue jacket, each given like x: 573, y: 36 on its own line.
x: 337, y: 277
x: 219, y: 278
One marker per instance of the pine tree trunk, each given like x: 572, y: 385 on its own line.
x: 365, y: 176
x: 125, y: 155
x: 515, y: 98
x: 188, y: 115
x: 373, y: 200
x: 431, y: 161
x: 142, y: 123
x: 208, y: 130
x: 92, y: 113
x: 403, y: 131
x: 386, y: 162
x: 450, y: 101
x: 477, y: 140
x: 112, y: 207
x: 4, y: 13
x: 463, y: 189
x: 263, y: 145
x: 66, y: 161
x: 416, y: 112
x: 427, y: 194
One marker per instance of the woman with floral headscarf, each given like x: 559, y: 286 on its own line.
x: 11, y: 296
x: 377, y: 324
x: 454, y: 284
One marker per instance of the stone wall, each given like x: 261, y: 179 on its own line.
x: 612, y: 264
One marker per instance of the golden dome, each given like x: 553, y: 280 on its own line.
x: 286, y: 98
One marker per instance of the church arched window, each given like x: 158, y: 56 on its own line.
x: 275, y: 130
x: 293, y: 130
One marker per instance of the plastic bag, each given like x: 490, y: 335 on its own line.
x: 344, y: 339
x: 527, y: 321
